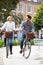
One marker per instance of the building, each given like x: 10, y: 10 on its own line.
x: 27, y: 7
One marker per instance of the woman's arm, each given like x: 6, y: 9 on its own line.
x: 13, y: 25
x: 4, y: 26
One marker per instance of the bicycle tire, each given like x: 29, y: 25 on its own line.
x: 26, y: 48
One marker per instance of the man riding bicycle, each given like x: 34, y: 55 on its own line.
x: 27, y: 26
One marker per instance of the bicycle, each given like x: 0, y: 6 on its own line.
x: 8, y: 35
x: 27, y: 45
x: 2, y: 33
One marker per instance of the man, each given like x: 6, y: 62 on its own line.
x: 27, y: 26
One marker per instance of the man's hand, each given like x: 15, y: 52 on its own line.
x: 21, y: 30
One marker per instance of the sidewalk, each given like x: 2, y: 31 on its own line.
x: 36, y: 57
x: 1, y: 56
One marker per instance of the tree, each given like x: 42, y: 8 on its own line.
x: 6, y: 6
x: 38, y: 19
x: 18, y: 18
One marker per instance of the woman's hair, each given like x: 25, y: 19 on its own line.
x: 8, y: 18
x: 29, y: 16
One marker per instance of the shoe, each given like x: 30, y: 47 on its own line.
x: 11, y: 53
x: 20, y: 51
x: 6, y: 56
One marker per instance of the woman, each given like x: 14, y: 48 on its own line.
x: 9, y: 26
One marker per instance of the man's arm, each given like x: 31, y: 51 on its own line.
x: 32, y: 27
x: 22, y: 27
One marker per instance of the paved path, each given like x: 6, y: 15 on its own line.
x: 36, y: 57
x: 1, y: 56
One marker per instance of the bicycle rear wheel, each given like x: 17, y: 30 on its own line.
x: 26, y: 49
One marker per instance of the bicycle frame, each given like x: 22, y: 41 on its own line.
x: 27, y: 44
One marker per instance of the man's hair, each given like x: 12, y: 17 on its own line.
x: 29, y: 16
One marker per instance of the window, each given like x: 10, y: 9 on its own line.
x: 35, y: 0
x: 29, y: 9
x: 21, y: 8
x: 35, y: 9
x: 29, y: 0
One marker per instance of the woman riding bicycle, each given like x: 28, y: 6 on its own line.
x: 27, y: 26
x: 9, y: 26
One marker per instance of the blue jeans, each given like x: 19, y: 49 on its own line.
x: 10, y: 41
x: 23, y: 37
x: 10, y: 44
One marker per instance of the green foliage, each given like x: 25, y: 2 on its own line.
x: 5, y: 7
x: 32, y: 42
x: 8, y: 4
x: 38, y: 19
x: 18, y: 18
x: 15, y: 43
x: 1, y: 43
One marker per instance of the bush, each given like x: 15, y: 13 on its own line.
x: 15, y: 43
x: 32, y: 42
x: 1, y: 43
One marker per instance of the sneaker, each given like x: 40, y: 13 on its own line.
x: 11, y: 53
x: 20, y: 51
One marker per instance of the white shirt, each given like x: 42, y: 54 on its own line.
x: 8, y: 26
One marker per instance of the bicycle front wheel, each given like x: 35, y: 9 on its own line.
x: 26, y: 49
x: 7, y: 48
